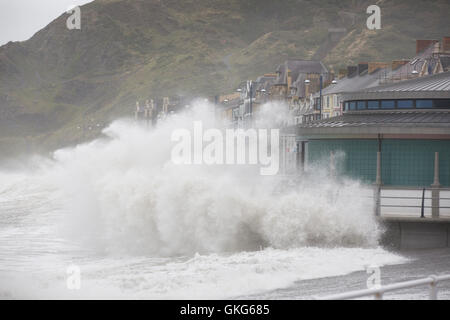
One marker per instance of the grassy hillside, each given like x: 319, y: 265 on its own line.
x: 60, y: 80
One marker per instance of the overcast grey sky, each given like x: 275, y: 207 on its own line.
x: 20, y: 19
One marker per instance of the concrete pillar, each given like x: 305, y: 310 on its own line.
x: 436, y: 170
x: 435, y: 188
x: 378, y: 183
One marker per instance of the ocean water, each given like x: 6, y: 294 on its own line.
x: 138, y: 226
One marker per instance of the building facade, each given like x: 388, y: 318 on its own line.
x: 407, y: 124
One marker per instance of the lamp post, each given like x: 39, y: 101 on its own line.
x: 251, y: 99
x: 238, y: 113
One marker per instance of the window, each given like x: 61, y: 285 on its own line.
x: 387, y: 104
x: 442, y: 104
x: 405, y: 104
x: 317, y: 103
x: 395, y: 104
x: 373, y: 104
x: 361, y: 105
x: 424, y: 104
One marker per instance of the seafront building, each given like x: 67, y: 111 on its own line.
x: 432, y: 57
x: 396, y: 138
x: 294, y: 81
x: 407, y: 122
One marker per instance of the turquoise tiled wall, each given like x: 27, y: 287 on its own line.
x: 404, y: 162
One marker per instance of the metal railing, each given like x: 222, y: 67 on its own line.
x: 421, y: 199
x: 379, y: 291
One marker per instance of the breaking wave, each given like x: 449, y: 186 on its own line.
x: 122, y: 194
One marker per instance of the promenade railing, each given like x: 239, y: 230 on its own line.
x: 378, y: 292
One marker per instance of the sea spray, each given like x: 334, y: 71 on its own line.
x: 123, y: 194
x: 139, y: 226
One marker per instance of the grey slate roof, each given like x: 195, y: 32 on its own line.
x: 263, y: 82
x: 298, y: 67
x: 445, y: 61
x: 299, y: 84
x: 357, y: 83
x: 352, y: 84
x: 438, y: 82
x: 416, y: 63
x: 385, y: 118
x: 433, y: 86
x: 375, y: 122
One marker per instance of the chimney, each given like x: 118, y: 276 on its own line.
x: 446, y: 44
x: 342, y: 73
x: 352, y: 71
x: 398, y: 63
x: 374, y: 66
x: 289, y: 79
x: 421, y: 45
x: 331, y: 76
x: 362, y: 67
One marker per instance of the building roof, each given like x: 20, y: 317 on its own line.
x: 352, y: 84
x: 264, y: 82
x: 445, y: 62
x: 382, y: 122
x: 417, y: 63
x: 360, y: 82
x: 298, y: 67
x: 434, y: 86
x: 299, y: 84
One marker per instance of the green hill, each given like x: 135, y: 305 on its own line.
x: 126, y: 50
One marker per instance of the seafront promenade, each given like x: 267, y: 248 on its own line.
x: 422, y: 264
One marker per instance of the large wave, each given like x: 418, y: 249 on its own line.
x: 122, y: 194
